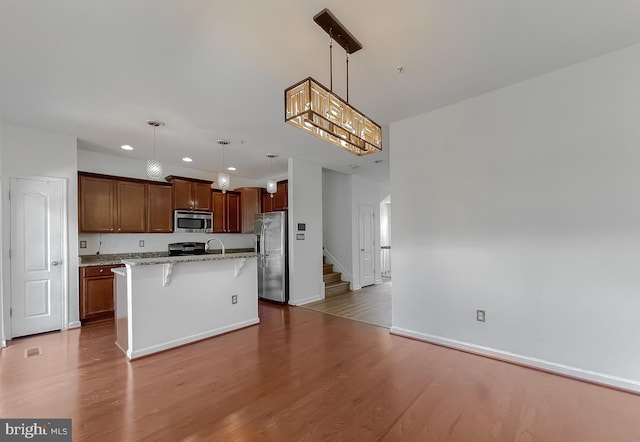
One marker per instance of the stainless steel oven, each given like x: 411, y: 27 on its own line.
x: 189, y: 221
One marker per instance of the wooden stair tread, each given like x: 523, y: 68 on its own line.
x: 333, y: 283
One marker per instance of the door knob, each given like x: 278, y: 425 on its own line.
x: 55, y: 263
x: 362, y: 250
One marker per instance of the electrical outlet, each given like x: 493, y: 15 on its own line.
x: 480, y: 315
x: 141, y: 243
x: 83, y: 244
x: 234, y: 299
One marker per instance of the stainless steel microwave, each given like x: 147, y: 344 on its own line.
x: 189, y: 221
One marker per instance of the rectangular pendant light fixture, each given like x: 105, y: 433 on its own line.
x: 312, y: 107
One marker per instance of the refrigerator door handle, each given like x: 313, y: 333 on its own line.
x: 264, y: 239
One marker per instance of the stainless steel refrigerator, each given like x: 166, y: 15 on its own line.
x: 273, y: 263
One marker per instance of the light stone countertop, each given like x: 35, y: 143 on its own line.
x: 189, y: 258
x: 118, y: 258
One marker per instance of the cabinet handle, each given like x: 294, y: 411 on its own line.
x: 101, y: 270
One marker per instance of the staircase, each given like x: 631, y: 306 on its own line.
x: 333, y: 284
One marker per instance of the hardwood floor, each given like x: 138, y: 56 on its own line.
x: 302, y: 375
x: 371, y: 304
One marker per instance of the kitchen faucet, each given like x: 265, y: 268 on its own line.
x: 206, y: 245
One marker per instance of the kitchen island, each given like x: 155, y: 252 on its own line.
x: 166, y: 302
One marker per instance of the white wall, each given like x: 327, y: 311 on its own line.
x: 305, y: 256
x: 524, y: 202
x: 30, y: 152
x: 156, y: 242
x: 89, y: 161
x: 342, y: 196
x: 337, y: 222
x: 95, y: 162
x: 364, y: 192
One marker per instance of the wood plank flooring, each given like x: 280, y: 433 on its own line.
x: 371, y: 304
x: 302, y: 375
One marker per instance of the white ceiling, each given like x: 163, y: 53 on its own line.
x: 98, y: 69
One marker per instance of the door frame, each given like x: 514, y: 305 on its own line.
x: 64, y: 247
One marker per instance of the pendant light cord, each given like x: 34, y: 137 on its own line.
x: 154, y: 142
x: 331, y: 59
x: 347, y: 55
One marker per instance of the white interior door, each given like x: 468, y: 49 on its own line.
x: 366, y: 245
x: 36, y: 256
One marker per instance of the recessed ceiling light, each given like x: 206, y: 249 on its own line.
x: 231, y: 168
x: 187, y: 160
x: 126, y: 147
x: 353, y: 166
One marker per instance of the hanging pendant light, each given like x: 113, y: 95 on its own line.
x: 154, y: 166
x: 224, y: 180
x: 312, y: 107
x: 272, y: 184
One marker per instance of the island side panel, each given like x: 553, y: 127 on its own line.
x: 121, y: 309
x: 195, y: 304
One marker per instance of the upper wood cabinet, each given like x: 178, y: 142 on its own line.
x: 280, y: 199
x: 267, y: 202
x: 96, y: 204
x: 131, y: 210
x: 227, y: 212
x: 159, y: 208
x: 190, y: 194
x: 109, y: 204
x: 250, y: 199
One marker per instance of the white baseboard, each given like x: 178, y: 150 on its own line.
x: 3, y: 344
x: 566, y: 370
x: 189, y: 339
x: 307, y: 300
x: 74, y: 324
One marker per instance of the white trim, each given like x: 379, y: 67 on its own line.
x: 3, y: 344
x: 574, y: 372
x: 189, y: 339
x: 307, y: 300
x: 74, y: 324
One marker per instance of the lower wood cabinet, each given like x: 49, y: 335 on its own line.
x: 97, y: 289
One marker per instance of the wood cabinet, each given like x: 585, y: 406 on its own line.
x: 280, y: 200
x: 130, y: 202
x: 97, y: 288
x: 96, y: 208
x: 159, y: 208
x: 226, y: 212
x: 250, y: 199
x: 108, y: 204
x: 281, y: 197
x: 190, y: 194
